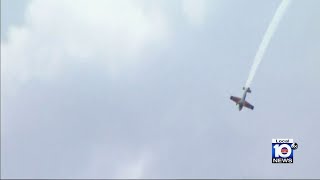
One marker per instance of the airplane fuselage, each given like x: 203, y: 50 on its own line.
x: 243, y: 99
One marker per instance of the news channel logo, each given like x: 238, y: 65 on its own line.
x: 282, y: 150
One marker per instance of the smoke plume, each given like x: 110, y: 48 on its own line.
x: 266, y: 39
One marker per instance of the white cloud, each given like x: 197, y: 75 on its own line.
x: 135, y: 169
x: 60, y: 34
x: 118, y: 161
x: 110, y: 33
x: 195, y: 11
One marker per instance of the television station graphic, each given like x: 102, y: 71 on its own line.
x: 282, y: 150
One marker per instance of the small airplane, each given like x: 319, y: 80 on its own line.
x: 242, y: 101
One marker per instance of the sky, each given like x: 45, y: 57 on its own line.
x: 140, y: 89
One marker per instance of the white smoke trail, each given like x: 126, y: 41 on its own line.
x: 266, y: 39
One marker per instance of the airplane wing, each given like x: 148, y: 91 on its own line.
x: 235, y: 99
x: 248, y: 105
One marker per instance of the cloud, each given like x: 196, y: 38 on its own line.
x: 135, y: 169
x: 50, y: 97
x: 113, y: 34
x: 57, y: 38
x: 151, y: 102
x: 117, y: 162
x: 195, y: 11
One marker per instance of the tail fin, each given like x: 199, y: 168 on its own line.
x: 248, y: 89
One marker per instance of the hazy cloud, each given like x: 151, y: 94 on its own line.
x: 195, y: 11
x: 56, y: 33
x: 119, y: 89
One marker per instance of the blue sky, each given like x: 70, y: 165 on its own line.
x: 140, y: 89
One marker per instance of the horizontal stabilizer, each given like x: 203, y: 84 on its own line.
x: 248, y: 89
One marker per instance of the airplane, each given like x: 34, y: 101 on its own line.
x: 242, y: 101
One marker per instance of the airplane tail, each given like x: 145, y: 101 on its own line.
x: 249, y: 90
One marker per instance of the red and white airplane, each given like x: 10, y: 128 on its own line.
x: 242, y: 101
